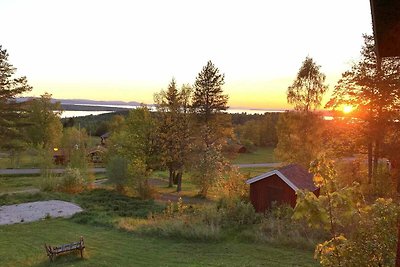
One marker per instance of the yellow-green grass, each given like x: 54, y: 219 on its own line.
x: 23, y: 245
x: 15, y: 183
x: 18, y: 183
x: 251, y: 172
x: 260, y: 155
x: 25, y: 159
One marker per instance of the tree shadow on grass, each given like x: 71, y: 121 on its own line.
x: 69, y: 259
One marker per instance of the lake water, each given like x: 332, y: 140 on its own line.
x: 76, y: 113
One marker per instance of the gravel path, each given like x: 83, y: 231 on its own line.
x: 34, y: 211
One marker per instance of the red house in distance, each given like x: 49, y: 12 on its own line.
x: 280, y: 186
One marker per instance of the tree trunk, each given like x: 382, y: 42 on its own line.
x: 179, y: 178
x: 369, y: 162
x: 396, y: 173
x: 171, y: 177
x: 175, y: 178
x: 375, y: 163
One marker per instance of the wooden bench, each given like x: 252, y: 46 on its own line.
x: 52, y: 252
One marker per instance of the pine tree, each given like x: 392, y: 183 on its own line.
x: 374, y: 93
x: 208, y: 104
x: 11, y: 112
x: 208, y: 97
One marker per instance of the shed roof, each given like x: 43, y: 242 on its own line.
x: 295, y: 176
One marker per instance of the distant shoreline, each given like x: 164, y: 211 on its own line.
x: 79, y: 110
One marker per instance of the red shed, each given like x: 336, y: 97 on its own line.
x: 280, y: 186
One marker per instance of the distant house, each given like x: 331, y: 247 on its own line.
x: 59, y: 157
x: 104, y: 138
x: 280, y: 186
x: 96, y: 155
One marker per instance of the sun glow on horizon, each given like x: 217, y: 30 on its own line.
x: 347, y: 109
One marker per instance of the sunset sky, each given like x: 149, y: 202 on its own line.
x: 128, y: 50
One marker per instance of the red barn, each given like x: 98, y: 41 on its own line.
x: 280, y: 186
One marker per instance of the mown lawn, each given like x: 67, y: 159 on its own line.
x: 251, y: 172
x: 18, y: 183
x: 15, y: 183
x: 22, y: 245
x: 260, y: 155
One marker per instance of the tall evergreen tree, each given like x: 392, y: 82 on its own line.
x: 208, y: 104
x: 11, y: 112
x: 208, y: 97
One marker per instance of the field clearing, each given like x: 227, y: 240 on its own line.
x: 110, y: 247
x: 260, y: 155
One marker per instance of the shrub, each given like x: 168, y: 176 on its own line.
x: 71, y: 181
x: 278, y: 227
x: 236, y: 212
x: 372, y: 242
x: 49, y: 182
x: 184, y: 227
x: 232, y: 185
x: 117, y: 172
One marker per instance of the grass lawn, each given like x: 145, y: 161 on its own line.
x: 18, y: 183
x: 13, y: 183
x: 261, y: 155
x: 26, y: 159
x: 22, y: 245
x: 251, y: 172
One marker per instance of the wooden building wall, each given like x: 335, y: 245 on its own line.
x: 265, y: 191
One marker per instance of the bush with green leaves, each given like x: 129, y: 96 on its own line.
x: 278, y: 227
x: 360, y: 233
x: 117, y: 172
x: 236, y: 212
x: 71, y: 181
x: 372, y: 241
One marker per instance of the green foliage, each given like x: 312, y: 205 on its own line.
x: 360, y: 234
x: 181, y: 228
x: 117, y: 172
x: 260, y: 131
x: 300, y: 137
x: 209, y: 167
x: 236, y: 212
x: 73, y: 143
x: 135, y: 141
x: 114, y: 204
x: 308, y: 88
x: 12, y: 114
x: 208, y: 97
x: 46, y: 127
x: 138, y: 177
x: 334, y: 209
x: 49, y: 181
x: 174, y: 129
x: 371, y: 87
x: 372, y: 241
x: 278, y: 227
x: 232, y: 185
x: 71, y: 180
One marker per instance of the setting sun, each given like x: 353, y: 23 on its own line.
x: 347, y: 109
